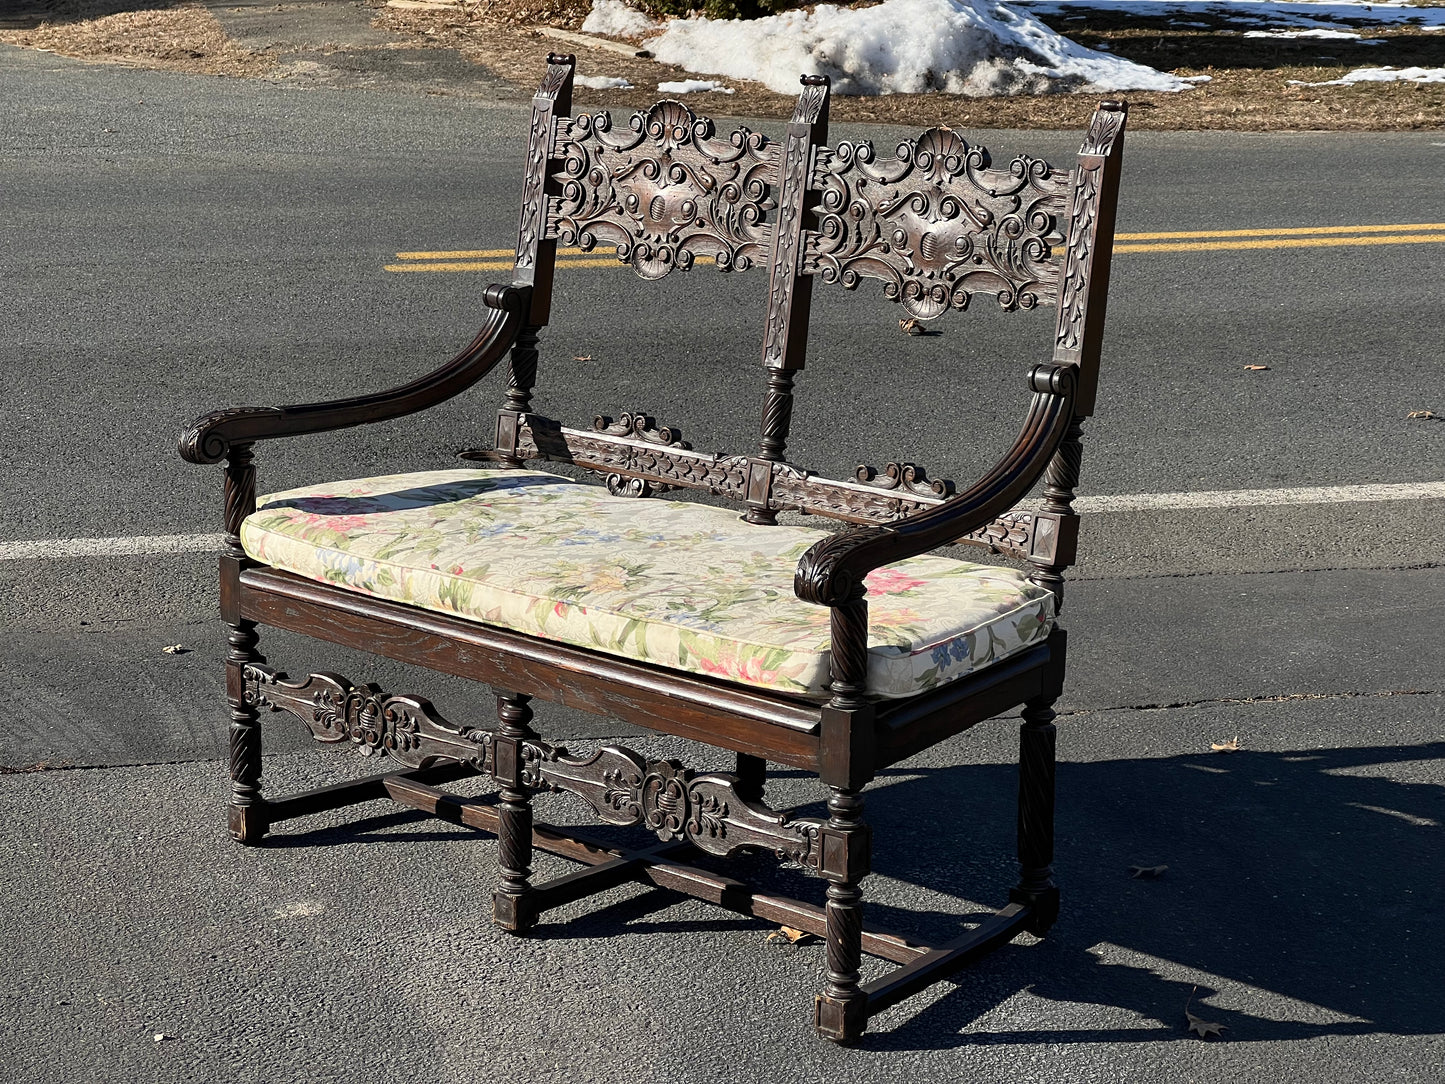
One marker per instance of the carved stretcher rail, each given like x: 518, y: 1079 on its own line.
x: 626, y: 788
x: 639, y: 459
x: 406, y: 728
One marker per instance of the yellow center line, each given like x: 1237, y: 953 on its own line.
x: 477, y: 254
x: 1287, y: 242
x: 1288, y: 231
x: 1409, y: 233
x: 495, y: 265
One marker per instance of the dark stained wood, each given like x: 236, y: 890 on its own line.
x: 937, y: 224
x: 731, y: 717
x: 664, y: 191
x: 653, y: 864
x: 306, y: 803
x: 512, y: 907
x: 209, y: 438
x: 923, y: 971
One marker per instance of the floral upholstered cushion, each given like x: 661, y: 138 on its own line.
x: 680, y: 585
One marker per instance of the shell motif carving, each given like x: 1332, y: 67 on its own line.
x: 937, y: 224
x: 665, y: 191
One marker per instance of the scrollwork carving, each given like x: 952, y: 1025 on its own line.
x: 907, y: 477
x: 608, y: 453
x: 626, y: 788
x: 937, y: 224
x: 404, y: 727
x: 643, y: 427
x: 664, y: 192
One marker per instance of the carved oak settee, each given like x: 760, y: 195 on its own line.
x: 838, y: 653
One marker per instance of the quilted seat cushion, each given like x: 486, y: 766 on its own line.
x: 675, y: 584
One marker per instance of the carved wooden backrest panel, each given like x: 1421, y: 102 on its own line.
x: 664, y: 190
x: 937, y: 223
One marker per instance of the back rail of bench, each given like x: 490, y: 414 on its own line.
x: 936, y: 222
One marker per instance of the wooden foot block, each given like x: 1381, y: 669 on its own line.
x: 516, y: 914
x: 840, y: 1021
x: 1043, y: 906
x: 248, y: 823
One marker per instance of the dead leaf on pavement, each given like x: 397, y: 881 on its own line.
x: 1422, y: 414
x: 911, y: 327
x: 176, y: 649
x: 1203, y: 1028
x: 792, y: 936
x: 582, y: 357
x: 1146, y: 873
x: 1257, y: 368
x: 1230, y: 746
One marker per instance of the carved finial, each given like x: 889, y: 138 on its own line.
x: 557, y: 82
x: 1105, y: 128
x: 812, y: 105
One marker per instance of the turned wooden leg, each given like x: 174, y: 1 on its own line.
x: 840, y: 1012
x: 247, y: 818
x: 512, y: 906
x: 1036, y: 816
x: 752, y: 775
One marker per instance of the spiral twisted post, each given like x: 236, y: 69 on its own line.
x: 777, y: 418
x: 1036, y: 816
x: 840, y: 1012
x: 511, y: 906
x: 240, y: 495
x: 247, y: 817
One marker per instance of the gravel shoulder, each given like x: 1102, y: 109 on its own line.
x: 495, y: 48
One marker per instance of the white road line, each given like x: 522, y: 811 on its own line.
x: 1126, y: 502
x: 1241, y: 498
x: 111, y: 547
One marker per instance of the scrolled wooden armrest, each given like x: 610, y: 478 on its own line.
x: 210, y: 437
x: 830, y: 573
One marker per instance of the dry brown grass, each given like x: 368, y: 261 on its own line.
x: 181, y: 37
x: 1249, y: 89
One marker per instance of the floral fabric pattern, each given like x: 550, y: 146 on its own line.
x: 675, y: 584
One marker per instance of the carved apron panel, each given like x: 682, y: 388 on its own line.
x: 664, y: 191
x: 938, y: 224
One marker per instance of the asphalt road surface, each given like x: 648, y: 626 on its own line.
x: 169, y: 244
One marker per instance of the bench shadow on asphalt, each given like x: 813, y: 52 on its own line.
x: 1305, y: 875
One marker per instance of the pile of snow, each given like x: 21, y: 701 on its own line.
x: 1381, y: 75
x: 617, y: 20
x: 603, y: 82
x: 693, y: 86
x: 1267, y: 13
x: 973, y: 47
x: 1325, y: 35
